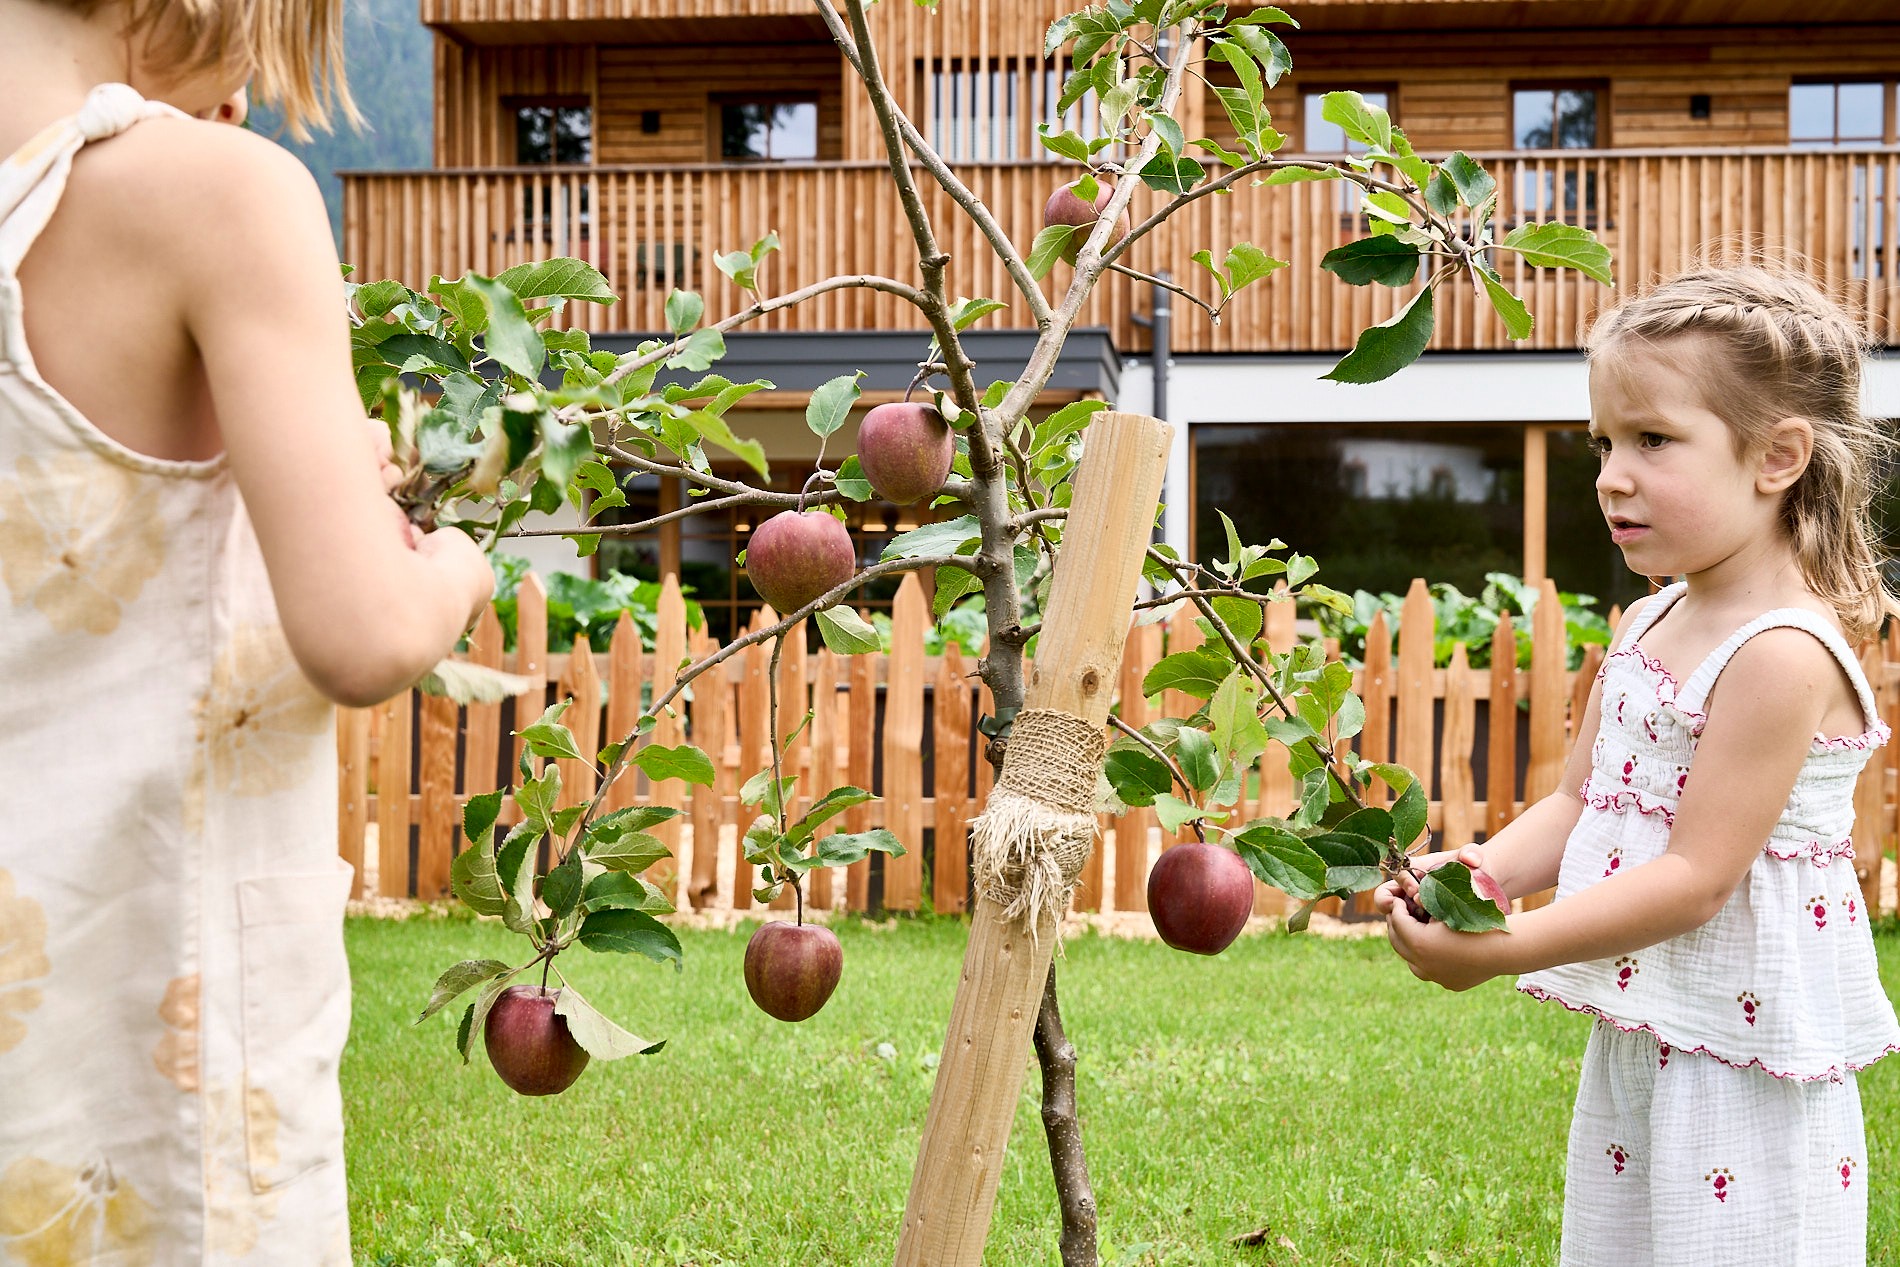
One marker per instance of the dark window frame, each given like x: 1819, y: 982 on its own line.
x: 716, y: 104
x: 1598, y: 87
x: 1889, y: 111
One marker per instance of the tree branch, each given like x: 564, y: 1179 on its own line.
x: 761, y: 497
x: 960, y: 193
x: 1063, y: 1129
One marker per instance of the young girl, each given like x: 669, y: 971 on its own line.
x: 197, y: 557
x: 1707, y: 912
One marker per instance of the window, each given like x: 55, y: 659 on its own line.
x: 768, y: 131
x: 553, y: 134
x: 1318, y: 135
x: 1377, y: 504
x: 979, y: 111
x: 1560, y: 117
x: 1829, y: 115
x: 1844, y: 115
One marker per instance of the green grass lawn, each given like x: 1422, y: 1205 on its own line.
x: 1304, y: 1085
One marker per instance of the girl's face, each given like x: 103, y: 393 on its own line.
x: 1678, y: 498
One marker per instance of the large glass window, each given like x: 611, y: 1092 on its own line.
x: 552, y: 134
x: 776, y: 131
x: 980, y: 111
x: 549, y: 135
x: 1376, y: 504
x: 1318, y: 135
x: 1844, y: 115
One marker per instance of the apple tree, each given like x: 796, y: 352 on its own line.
x: 514, y: 415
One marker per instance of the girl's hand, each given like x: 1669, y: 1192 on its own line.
x: 1436, y: 953
x: 392, y: 478
x: 457, y: 555
x: 1404, y: 889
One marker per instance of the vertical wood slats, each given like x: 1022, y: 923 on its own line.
x: 402, y: 753
x: 650, y: 229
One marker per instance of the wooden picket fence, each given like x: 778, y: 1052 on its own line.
x: 903, y: 725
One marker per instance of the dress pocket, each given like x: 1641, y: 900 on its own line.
x: 296, y: 998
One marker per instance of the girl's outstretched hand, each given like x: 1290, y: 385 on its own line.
x: 462, y: 561
x: 1433, y: 951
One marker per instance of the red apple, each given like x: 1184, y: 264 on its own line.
x: 1200, y: 896
x: 791, y: 969
x: 794, y: 557
x: 1065, y: 206
x: 906, y: 450
x: 529, y: 1045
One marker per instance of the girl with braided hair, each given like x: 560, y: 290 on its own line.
x: 1707, y: 913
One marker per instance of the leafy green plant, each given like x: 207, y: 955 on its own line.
x: 1460, y: 617
x: 582, y: 604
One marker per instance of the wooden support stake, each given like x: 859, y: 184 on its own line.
x: 986, y: 1049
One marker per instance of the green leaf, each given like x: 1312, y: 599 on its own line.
x: 1383, y: 259
x: 468, y: 1036
x: 1173, y: 813
x: 851, y: 481
x: 1297, y: 175
x: 1236, y: 722
x: 1068, y: 144
x: 831, y: 403
x: 1396, y: 777
x: 1440, y: 194
x: 1063, y: 423
x: 1199, y: 672
x: 684, y: 308
x: 1373, y: 823
x: 1247, y: 263
x: 473, y: 878
x: 1284, y: 861
x: 826, y: 808
x: 1200, y: 762
x: 1137, y: 776
x: 1473, y: 183
x: 701, y: 349
x: 1341, y: 850
x: 463, y: 977
x: 953, y: 583
x: 714, y: 428
x: 633, y: 818
x: 561, y: 278
x: 598, y: 1036
x: 1517, y: 318
x: 551, y: 739
x: 1266, y: 47
x: 630, y: 933
x: 1408, y: 814
x: 1385, y: 349
x: 562, y: 888
x: 1242, y: 617
x: 1562, y: 246
x: 685, y: 762
x: 1171, y: 173
x: 946, y: 536
x: 1226, y: 157
x: 511, y: 341
x: 1360, y: 120
x: 846, y: 632
x: 762, y: 790
x: 1446, y: 892
x: 842, y: 849
x: 618, y: 891
x: 1348, y: 880
x: 1048, y: 248
x: 628, y: 852
x: 479, y: 815
x: 970, y: 311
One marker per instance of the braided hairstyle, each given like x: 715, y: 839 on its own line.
x: 1774, y: 346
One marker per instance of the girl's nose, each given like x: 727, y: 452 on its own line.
x: 1613, y: 476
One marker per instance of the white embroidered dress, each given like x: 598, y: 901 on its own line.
x: 1770, y: 1007
x: 174, y: 996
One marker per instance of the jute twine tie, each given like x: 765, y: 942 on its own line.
x: 1032, y: 839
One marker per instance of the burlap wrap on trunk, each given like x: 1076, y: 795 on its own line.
x: 1029, y: 844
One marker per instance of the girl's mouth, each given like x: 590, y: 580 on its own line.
x: 1624, y: 531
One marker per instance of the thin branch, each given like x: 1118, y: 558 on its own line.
x: 933, y: 163
x: 693, y: 671
x: 1029, y: 517
x: 1182, y: 291
x: 1160, y: 755
x: 762, y: 497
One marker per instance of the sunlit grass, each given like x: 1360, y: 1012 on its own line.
x: 1307, y: 1086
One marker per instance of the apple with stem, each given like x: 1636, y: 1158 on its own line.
x: 792, y: 968
x: 797, y: 556
x: 1066, y: 206
x: 529, y: 1045
x: 906, y: 449
x: 1199, y: 896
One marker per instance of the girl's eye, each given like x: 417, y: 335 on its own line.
x: 1598, y: 445
x: 1650, y: 440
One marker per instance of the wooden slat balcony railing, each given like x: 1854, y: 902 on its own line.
x: 650, y: 229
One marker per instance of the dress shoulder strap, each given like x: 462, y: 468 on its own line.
x: 33, y: 177
x: 1661, y: 601
x: 1696, y: 690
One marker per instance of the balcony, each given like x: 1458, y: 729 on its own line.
x: 650, y: 229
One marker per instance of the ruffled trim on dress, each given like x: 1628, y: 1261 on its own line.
x: 1834, y: 1073
x: 1625, y: 799
x: 1821, y: 854
x: 1668, y: 691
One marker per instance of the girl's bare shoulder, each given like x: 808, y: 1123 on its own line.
x: 192, y: 192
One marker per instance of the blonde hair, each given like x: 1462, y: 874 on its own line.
x: 1777, y: 347
x: 291, y: 51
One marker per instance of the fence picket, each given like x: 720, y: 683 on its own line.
x: 711, y: 719
x: 1139, y: 654
x: 1549, y: 701
x: 862, y: 763
x: 435, y: 837
x: 1454, y: 763
x: 1500, y: 771
x: 531, y: 659
x: 1870, y: 795
x: 1375, y: 688
x: 624, y: 705
x: 950, y: 778
x: 1183, y: 635
x: 669, y: 649
x: 392, y: 797
x: 826, y: 770
x: 903, y: 788
x: 481, y: 734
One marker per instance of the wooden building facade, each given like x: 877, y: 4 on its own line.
x: 648, y: 136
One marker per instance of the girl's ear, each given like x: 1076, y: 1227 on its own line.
x: 1790, y: 446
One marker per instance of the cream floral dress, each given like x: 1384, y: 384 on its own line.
x: 174, y: 996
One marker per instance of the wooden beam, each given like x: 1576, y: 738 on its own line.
x: 1005, y: 965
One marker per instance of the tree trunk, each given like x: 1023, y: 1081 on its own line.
x: 1074, y: 1194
